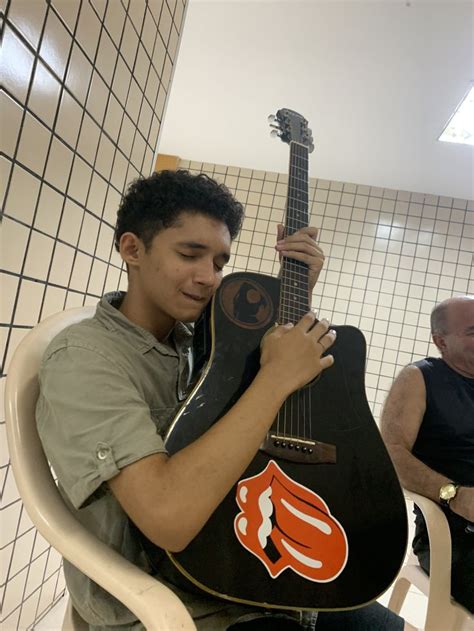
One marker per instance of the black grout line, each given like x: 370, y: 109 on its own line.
x: 115, y: 148
x: 83, y: 117
x: 56, y: 596
x: 43, y: 579
x: 49, y: 284
x: 63, y: 83
x: 20, y: 133
x: 127, y: 178
x: 57, y: 239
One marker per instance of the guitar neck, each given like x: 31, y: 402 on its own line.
x: 294, y: 299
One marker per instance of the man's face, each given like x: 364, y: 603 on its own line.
x: 457, y: 345
x: 182, y: 268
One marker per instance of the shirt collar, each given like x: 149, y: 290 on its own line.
x: 108, y: 314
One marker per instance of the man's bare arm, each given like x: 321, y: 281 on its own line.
x: 400, y: 423
x: 171, y: 498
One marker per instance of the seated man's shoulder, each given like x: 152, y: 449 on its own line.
x: 409, y: 384
x: 87, y: 335
x: 428, y: 363
x: 409, y: 373
x: 434, y: 368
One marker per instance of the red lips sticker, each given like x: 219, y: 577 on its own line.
x: 286, y: 525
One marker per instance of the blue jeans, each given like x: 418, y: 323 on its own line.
x: 373, y: 617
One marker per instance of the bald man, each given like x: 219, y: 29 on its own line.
x: 428, y: 427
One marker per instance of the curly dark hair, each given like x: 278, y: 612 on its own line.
x: 154, y: 203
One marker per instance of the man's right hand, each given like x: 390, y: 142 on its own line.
x: 463, y: 503
x: 292, y: 354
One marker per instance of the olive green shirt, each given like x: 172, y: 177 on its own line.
x: 108, y: 393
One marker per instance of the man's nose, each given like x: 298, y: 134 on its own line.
x: 205, y: 274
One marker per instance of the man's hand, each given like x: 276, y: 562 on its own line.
x: 463, y: 503
x: 302, y: 246
x: 293, y: 354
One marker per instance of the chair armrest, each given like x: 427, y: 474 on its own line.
x: 153, y: 603
x: 440, y: 544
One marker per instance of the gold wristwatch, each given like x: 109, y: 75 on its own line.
x: 447, y: 493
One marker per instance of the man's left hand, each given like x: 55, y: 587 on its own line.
x: 302, y: 246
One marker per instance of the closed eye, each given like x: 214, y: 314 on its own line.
x: 190, y: 257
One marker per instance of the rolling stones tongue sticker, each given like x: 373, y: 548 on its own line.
x: 286, y: 525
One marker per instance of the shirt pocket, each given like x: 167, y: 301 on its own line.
x: 162, y: 417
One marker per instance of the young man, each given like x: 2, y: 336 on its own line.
x: 111, y: 385
x: 428, y: 427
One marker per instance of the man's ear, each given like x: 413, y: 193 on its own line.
x: 439, y: 342
x: 130, y: 249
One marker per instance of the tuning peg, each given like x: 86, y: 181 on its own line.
x: 311, y: 148
x: 271, y: 118
x: 274, y: 133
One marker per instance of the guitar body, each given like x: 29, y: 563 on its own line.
x: 318, y: 520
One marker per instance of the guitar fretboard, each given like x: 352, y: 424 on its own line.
x: 294, y: 300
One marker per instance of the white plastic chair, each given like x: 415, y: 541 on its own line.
x: 443, y: 612
x: 154, y: 604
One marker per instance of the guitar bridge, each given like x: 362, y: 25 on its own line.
x: 301, y: 450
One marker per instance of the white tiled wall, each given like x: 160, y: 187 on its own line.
x: 390, y: 257
x: 85, y: 87
x: 85, y: 83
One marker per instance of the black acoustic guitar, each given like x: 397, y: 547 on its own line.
x: 318, y: 520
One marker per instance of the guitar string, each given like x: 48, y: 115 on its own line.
x: 292, y: 274
x: 293, y: 269
x: 306, y: 393
x: 292, y: 221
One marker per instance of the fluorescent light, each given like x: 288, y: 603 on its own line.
x: 460, y: 127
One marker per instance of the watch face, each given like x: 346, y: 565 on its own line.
x: 447, y: 492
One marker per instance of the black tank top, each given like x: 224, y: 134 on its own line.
x: 445, y: 441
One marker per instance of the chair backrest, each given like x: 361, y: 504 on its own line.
x: 30, y: 467
x: 151, y: 601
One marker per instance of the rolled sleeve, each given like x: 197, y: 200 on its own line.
x: 92, y: 420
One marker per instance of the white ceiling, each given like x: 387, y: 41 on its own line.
x: 377, y: 81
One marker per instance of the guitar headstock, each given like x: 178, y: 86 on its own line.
x: 291, y: 127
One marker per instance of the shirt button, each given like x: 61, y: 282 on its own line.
x: 102, y: 453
